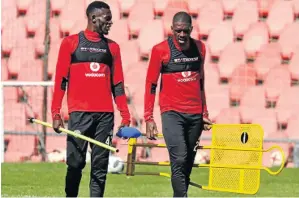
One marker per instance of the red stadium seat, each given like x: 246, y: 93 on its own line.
x: 55, y: 143
x: 39, y: 39
x: 14, y: 117
x: 255, y: 38
x: 78, y: 26
x: 242, y: 78
x: 4, y: 70
x: 141, y: 13
x: 23, y: 5
x: 228, y: 116
x: 210, y: 16
x: 160, y: 6
x: 119, y: 31
x: 264, y: 7
x: 20, y: 56
x: 219, y: 38
x: 129, y: 53
x: 13, y: 35
x: 251, y: 101
x: 277, y: 80
x: 230, y: 6
x: 52, y: 58
x: 8, y: 12
x: 292, y: 128
x: 294, y: 66
x: 287, y: 104
x: 10, y: 95
x: 269, y: 57
x: 211, y: 76
x: 245, y: 14
x: 295, y: 4
x: 35, y: 17
x: 217, y: 99
x: 57, y: 6
x: 32, y: 71
x: 280, y: 15
x: 195, y: 6
x: 152, y: 30
x: 232, y: 56
x: 267, y: 119
x: 287, y: 41
x: 125, y: 6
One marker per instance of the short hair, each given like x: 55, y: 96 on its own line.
x: 182, y: 17
x: 96, y: 5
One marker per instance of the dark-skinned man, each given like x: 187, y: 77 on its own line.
x: 89, y: 67
x: 184, y: 115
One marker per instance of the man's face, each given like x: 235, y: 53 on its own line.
x: 103, y: 19
x: 181, y: 32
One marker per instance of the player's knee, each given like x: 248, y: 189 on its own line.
x: 180, y: 161
x: 100, y: 162
x: 76, y: 162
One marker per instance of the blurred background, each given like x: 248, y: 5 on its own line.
x: 251, y: 67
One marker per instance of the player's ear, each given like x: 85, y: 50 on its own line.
x: 93, y: 19
x: 191, y: 28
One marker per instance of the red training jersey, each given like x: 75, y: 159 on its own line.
x: 182, y: 78
x: 89, y: 68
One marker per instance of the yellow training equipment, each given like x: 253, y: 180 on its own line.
x: 236, y: 158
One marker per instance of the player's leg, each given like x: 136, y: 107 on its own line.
x: 173, y: 131
x: 194, y: 129
x: 99, y: 155
x: 76, y: 152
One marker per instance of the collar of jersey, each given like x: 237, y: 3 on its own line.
x: 92, y: 36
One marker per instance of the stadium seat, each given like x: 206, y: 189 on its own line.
x: 52, y: 58
x: 67, y: 19
x: 232, y: 56
x: 295, y: 5
x: 251, y: 101
x: 212, y: 79
x: 14, y: 117
x: 141, y: 13
x: 114, y: 7
x: 35, y: 17
x: 277, y: 80
x: 119, y: 31
x: 287, y: 41
x: 135, y: 74
x: 13, y: 36
x: 125, y: 6
x: 292, y: 128
x: 195, y: 6
x: 228, y: 115
x: 255, y: 38
x: 267, y: 119
x: 217, y: 99
x: 269, y: 57
x: 245, y: 14
x: 153, y: 30
x: 39, y: 39
x: 210, y: 16
x: 4, y: 70
x: 169, y: 12
x: 129, y: 53
x: 10, y: 95
x: 242, y: 78
x: 294, y: 66
x: 230, y: 6
x: 287, y: 104
x: 280, y: 15
x: 8, y: 12
x: 23, y: 5
x: 264, y: 7
x: 57, y: 6
x: 19, y: 56
x: 31, y: 71
x: 160, y: 6
x: 79, y: 26
x: 55, y: 143
x: 19, y: 146
x: 219, y: 38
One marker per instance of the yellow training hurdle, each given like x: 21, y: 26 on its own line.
x: 236, y: 153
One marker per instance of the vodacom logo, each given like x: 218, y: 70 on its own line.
x: 94, y: 66
x: 186, y: 74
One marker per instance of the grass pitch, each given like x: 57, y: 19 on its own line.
x: 47, y: 179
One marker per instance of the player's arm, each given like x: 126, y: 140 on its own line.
x: 61, y: 75
x: 118, y: 88
x: 152, y: 76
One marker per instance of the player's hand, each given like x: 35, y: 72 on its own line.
x: 151, y: 130
x: 57, y: 123
x: 123, y: 125
x: 207, y: 124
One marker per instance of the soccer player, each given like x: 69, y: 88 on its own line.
x: 180, y: 61
x: 89, y: 67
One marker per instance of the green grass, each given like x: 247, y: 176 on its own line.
x: 47, y: 179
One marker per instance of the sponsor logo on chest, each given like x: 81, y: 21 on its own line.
x: 185, y: 60
x: 92, y: 49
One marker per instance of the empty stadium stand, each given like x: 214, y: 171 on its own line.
x: 251, y: 65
